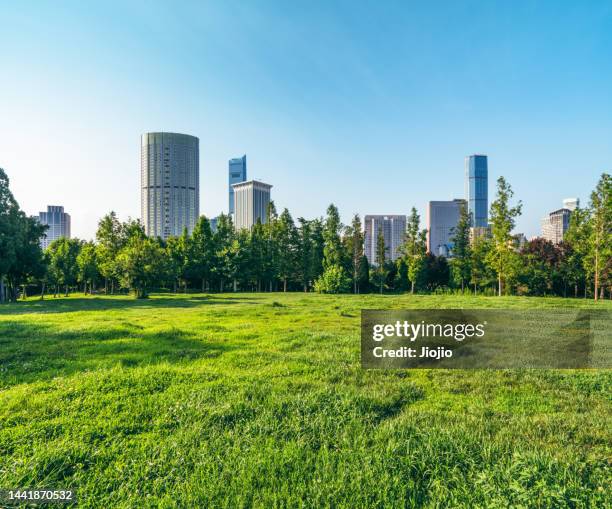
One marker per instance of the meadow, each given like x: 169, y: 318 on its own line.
x: 259, y: 400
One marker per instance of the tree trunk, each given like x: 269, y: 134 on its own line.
x: 235, y: 285
x: 1, y: 290
x: 112, y: 287
x: 499, y: 285
x: 221, y: 286
x: 412, y: 287
x: 596, y: 292
x: 285, y: 285
x: 305, y: 287
x: 66, y: 290
x: 42, y: 291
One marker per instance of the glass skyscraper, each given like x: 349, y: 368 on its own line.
x: 237, y: 173
x: 476, y: 185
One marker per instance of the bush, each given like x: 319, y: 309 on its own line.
x: 333, y: 280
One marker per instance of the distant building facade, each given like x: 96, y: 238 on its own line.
x: 442, y: 219
x: 58, y: 223
x: 237, y: 172
x: 476, y: 188
x: 479, y: 232
x: 393, y: 228
x: 555, y: 225
x: 170, y: 183
x: 251, y: 203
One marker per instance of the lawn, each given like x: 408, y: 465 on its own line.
x: 259, y: 400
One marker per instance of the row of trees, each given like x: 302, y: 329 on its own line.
x: 321, y: 255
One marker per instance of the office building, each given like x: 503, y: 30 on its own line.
x: 476, y: 186
x: 479, y: 232
x: 555, y: 225
x: 58, y: 223
x: 442, y: 219
x: 237, y: 173
x: 251, y: 203
x: 571, y: 204
x: 393, y: 228
x: 170, y: 183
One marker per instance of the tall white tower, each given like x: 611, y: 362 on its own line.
x: 170, y: 183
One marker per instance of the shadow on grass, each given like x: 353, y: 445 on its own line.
x: 34, y: 352
x: 101, y: 303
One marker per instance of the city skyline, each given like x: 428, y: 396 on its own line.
x: 324, y: 102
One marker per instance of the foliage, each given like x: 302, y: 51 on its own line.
x: 333, y: 280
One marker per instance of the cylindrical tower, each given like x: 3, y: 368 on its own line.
x: 170, y: 183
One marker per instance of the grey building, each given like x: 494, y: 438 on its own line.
x: 170, y: 183
x: 555, y: 225
x: 476, y: 188
x: 237, y: 173
x: 58, y: 223
x: 251, y: 203
x: 393, y: 228
x: 442, y: 219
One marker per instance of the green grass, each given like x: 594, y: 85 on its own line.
x: 259, y: 400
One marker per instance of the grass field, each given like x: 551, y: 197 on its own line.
x: 259, y: 400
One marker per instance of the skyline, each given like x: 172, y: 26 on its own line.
x: 315, y: 96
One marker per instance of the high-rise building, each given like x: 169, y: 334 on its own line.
x: 555, y: 225
x: 442, y: 219
x: 58, y: 223
x: 571, y: 204
x: 476, y: 188
x: 393, y: 228
x: 251, y: 203
x: 237, y: 173
x: 170, y: 183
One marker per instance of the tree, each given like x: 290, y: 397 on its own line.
x: 437, y: 272
x: 222, y: 241
x: 333, y: 253
x: 414, y: 248
x: 109, y: 243
x: 600, y: 239
x: 381, y: 252
x: 577, y: 236
x: 503, y: 257
x: 540, y: 259
x: 63, y: 255
x: 201, y: 252
x: 141, y: 264
x: 481, y: 273
x: 354, y: 245
x: 333, y: 280
x: 88, y: 266
x: 461, y: 260
x: 287, y: 243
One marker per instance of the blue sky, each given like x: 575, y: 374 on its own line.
x: 370, y: 105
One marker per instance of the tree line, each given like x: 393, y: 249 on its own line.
x: 321, y: 255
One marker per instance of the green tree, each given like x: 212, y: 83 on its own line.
x: 461, y: 260
x: 414, y: 249
x: 141, y: 264
x: 222, y: 240
x: 600, y: 239
x: 481, y: 274
x: 201, y: 252
x: 354, y: 245
x: 108, y: 245
x: 88, y: 273
x: 287, y: 241
x: 333, y: 280
x: 334, y: 274
x: 503, y: 257
x: 381, y: 253
x: 63, y: 255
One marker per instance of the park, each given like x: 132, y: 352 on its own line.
x: 259, y: 400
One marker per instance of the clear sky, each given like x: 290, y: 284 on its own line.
x: 370, y: 105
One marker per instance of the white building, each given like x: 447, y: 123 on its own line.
x: 251, y: 200
x: 170, y: 183
x: 393, y: 228
x: 571, y: 204
x: 555, y: 225
x: 442, y: 219
x: 58, y: 223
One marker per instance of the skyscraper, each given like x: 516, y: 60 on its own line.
x: 393, y: 228
x: 442, y: 219
x: 58, y: 223
x: 252, y: 200
x: 170, y: 183
x: 237, y: 173
x: 555, y: 224
x: 476, y: 185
